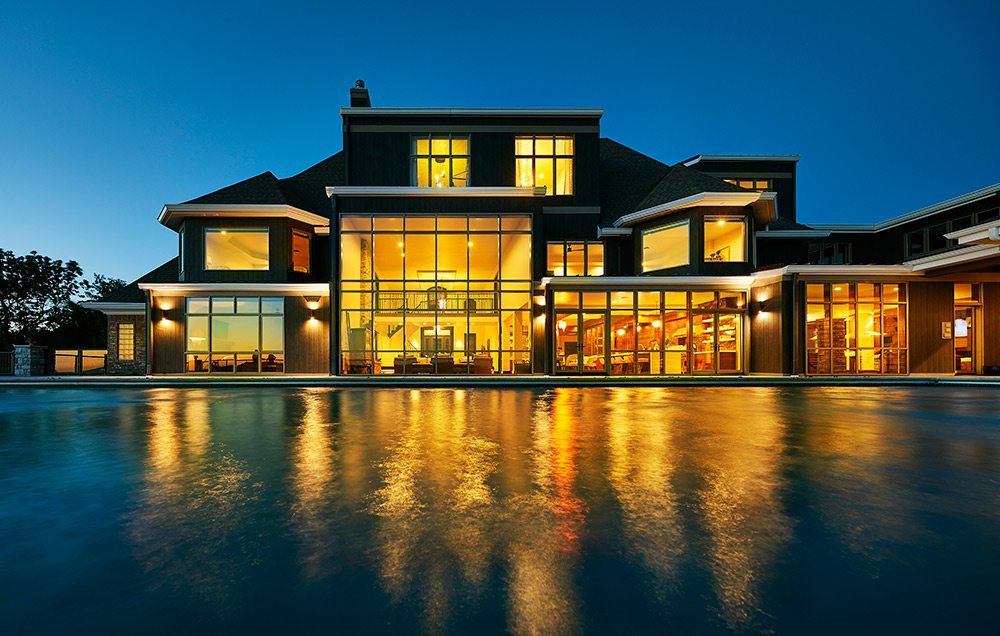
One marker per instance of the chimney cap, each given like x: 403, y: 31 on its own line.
x: 359, y: 83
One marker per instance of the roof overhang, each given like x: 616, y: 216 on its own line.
x: 116, y: 309
x: 792, y: 234
x: 699, y: 158
x: 613, y: 231
x: 763, y: 204
x: 582, y: 282
x: 476, y: 112
x: 172, y: 214
x: 916, y: 215
x: 415, y: 191
x: 322, y: 289
x: 982, y: 234
x: 951, y: 258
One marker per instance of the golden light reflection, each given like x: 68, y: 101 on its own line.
x: 642, y: 460
x: 313, y: 484
x: 740, y: 460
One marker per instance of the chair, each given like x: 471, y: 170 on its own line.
x: 482, y: 365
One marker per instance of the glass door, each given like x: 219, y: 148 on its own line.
x: 593, y: 345
x: 965, y: 340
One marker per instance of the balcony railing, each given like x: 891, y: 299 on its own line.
x: 6, y: 363
x: 436, y: 300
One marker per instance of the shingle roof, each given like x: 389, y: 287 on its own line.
x: 627, y: 176
x: 166, y: 273
x: 683, y: 182
x: 787, y: 224
x: 306, y: 190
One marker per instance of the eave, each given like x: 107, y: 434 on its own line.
x: 699, y: 158
x: 172, y: 214
x: 475, y: 112
x: 762, y: 203
x: 982, y: 234
x: 414, y: 191
x: 116, y: 309
x: 951, y: 258
x: 792, y: 234
x: 321, y: 289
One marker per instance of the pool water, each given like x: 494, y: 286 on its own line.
x: 596, y: 510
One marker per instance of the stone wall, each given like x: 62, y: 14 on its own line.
x: 30, y: 360
x: 116, y: 365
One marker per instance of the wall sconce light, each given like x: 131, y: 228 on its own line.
x: 758, y: 306
x: 160, y: 314
x: 540, y: 300
x: 312, y: 302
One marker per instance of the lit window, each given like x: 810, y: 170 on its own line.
x: 725, y: 239
x: 666, y: 246
x: 300, y: 251
x: 236, y: 249
x: 242, y: 335
x: 440, y: 161
x: 575, y: 258
x: 751, y: 184
x: 545, y: 161
x: 126, y: 341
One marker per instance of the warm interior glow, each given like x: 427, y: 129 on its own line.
x: 666, y: 246
x: 241, y: 250
x: 725, y: 239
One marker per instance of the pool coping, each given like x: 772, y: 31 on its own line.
x: 534, y: 381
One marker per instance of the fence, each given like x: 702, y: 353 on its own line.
x: 80, y: 361
x: 6, y: 363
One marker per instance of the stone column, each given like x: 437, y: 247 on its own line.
x: 29, y: 360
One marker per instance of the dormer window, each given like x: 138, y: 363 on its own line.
x: 725, y: 239
x: 761, y: 185
x: 545, y: 160
x: 440, y: 161
x: 242, y: 249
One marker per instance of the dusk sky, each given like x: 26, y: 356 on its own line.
x: 110, y: 110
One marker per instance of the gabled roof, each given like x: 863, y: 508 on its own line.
x: 682, y: 182
x: 626, y: 176
x: 306, y: 190
x: 166, y: 273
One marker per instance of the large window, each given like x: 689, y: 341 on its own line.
x: 545, y: 160
x: 575, y: 258
x: 126, y: 341
x: 725, y: 239
x: 666, y: 246
x: 236, y: 249
x: 856, y: 328
x: 300, y: 251
x: 440, y: 161
x: 235, y: 335
x: 444, y: 294
x: 649, y: 332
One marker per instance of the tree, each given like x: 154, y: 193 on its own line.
x: 38, y: 302
x: 36, y: 295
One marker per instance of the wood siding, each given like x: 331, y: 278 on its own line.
x: 767, y: 338
x: 307, y: 342
x: 991, y: 324
x: 930, y: 304
x: 168, y: 336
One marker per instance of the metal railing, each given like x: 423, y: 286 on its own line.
x: 81, y: 361
x: 434, y: 300
x: 6, y: 363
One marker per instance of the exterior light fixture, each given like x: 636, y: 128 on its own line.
x: 312, y: 302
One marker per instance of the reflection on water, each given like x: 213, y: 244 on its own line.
x: 527, y: 512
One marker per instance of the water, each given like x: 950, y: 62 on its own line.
x: 690, y: 510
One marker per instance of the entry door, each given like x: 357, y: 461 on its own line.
x: 964, y: 336
x: 593, y: 331
x: 581, y: 343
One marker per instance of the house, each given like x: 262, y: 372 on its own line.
x: 520, y: 241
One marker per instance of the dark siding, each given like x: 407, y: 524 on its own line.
x: 307, y: 343
x: 991, y: 324
x: 767, y: 350
x: 930, y: 304
x: 168, y: 336
x: 632, y: 259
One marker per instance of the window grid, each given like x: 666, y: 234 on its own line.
x: 532, y: 150
x: 258, y: 360
x: 126, y: 341
x: 558, y: 256
x: 823, y: 253
x: 432, y: 152
x: 751, y: 184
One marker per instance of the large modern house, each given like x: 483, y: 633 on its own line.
x: 492, y: 242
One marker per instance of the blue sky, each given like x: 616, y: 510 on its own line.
x: 109, y: 110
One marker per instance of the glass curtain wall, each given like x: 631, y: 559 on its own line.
x: 649, y: 332
x: 856, y: 328
x: 435, y: 294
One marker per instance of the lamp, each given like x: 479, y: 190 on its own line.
x: 312, y: 302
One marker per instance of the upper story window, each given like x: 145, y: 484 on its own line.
x: 575, y: 258
x: 300, y: 251
x: 751, y: 184
x: 725, y: 239
x: 666, y: 246
x: 823, y: 253
x: 932, y: 239
x: 440, y: 161
x: 545, y: 160
x: 237, y: 249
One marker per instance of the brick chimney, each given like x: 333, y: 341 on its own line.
x: 359, y: 96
